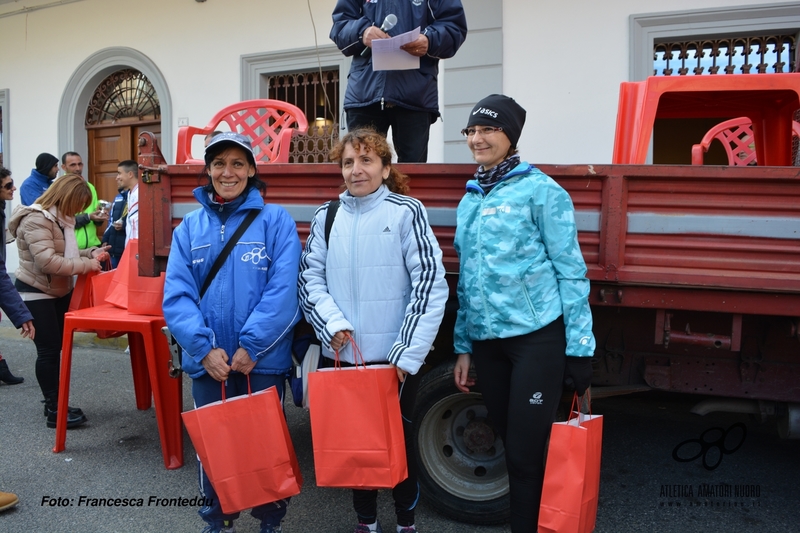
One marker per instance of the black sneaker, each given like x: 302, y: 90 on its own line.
x: 73, y: 420
x: 72, y: 410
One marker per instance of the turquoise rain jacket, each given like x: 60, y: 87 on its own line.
x: 521, y: 266
x: 252, y: 301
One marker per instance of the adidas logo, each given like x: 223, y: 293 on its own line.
x: 387, y: 230
x: 536, y: 399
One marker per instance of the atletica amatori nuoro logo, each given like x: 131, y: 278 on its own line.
x: 255, y: 255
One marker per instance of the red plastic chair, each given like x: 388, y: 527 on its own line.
x: 768, y: 100
x: 270, y: 125
x: 150, y: 356
x: 736, y: 136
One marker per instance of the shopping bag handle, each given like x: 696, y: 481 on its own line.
x: 356, y: 354
x: 249, y: 391
x: 576, y: 404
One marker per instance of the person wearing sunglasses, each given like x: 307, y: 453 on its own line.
x: 524, y: 317
x: 12, y: 306
x: 10, y: 302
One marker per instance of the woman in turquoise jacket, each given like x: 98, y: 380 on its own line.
x: 524, y: 317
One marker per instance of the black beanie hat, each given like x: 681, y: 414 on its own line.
x: 45, y: 163
x: 500, y: 111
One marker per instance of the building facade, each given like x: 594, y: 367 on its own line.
x: 88, y: 75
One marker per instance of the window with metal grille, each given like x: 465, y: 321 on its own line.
x: 125, y: 94
x: 772, y: 53
x: 316, y: 93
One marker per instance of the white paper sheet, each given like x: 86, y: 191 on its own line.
x: 386, y: 53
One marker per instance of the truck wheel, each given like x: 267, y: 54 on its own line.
x: 462, y: 469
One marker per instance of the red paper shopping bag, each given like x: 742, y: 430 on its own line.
x: 117, y: 293
x: 356, y: 427
x: 245, y: 448
x: 90, y: 291
x: 98, y: 287
x: 572, y: 475
x: 81, y: 292
x: 100, y: 284
x: 145, y: 294
x: 140, y: 295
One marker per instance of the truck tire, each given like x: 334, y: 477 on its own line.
x: 462, y: 469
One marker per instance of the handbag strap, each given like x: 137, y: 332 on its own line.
x: 226, y: 251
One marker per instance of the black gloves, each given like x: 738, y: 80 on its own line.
x: 578, y: 373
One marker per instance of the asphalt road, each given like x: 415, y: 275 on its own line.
x: 117, y: 455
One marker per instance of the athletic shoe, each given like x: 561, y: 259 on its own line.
x: 364, y: 528
x: 218, y: 529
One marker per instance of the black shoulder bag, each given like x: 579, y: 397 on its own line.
x: 226, y: 251
x: 175, y: 350
x: 330, y: 215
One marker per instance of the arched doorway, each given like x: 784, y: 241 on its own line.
x: 123, y: 105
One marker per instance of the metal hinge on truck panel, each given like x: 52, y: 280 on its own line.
x: 174, y: 363
x: 150, y: 158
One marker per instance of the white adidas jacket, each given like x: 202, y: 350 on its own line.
x: 380, y: 275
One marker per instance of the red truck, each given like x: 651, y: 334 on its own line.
x: 695, y: 288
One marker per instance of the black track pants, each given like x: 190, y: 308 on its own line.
x: 48, y: 319
x: 521, y: 379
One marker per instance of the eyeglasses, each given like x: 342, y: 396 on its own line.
x: 487, y: 130
x: 8, y: 186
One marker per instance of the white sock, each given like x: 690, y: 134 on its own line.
x: 373, y: 526
x: 400, y: 528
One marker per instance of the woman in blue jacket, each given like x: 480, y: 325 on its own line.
x: 378, y: 277
x: 524, y: 316
x: 242, y: 325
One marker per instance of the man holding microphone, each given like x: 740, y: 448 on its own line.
x: 405, y: 100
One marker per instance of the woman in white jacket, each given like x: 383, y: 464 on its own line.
x: 378, y: 277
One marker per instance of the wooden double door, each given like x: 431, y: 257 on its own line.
x: 108, y: 146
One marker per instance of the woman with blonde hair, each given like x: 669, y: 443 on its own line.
x: 48, y: 259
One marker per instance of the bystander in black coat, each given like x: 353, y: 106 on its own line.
x: 116, y: 237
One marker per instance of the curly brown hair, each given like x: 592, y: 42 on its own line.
x: 372, y: 141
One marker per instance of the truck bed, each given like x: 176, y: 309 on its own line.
x: 688, y: 237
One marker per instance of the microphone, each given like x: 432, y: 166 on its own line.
x: 388, y: 23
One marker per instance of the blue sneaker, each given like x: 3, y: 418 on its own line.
x: 225, y: 528
x: 271, y: 529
